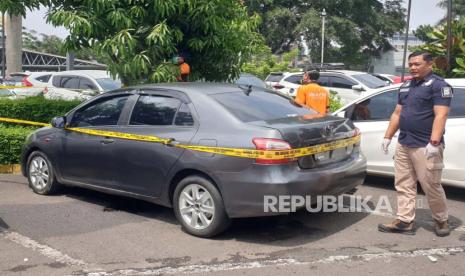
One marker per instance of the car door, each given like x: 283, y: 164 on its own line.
x: 343, y: 87
x: 454, y: 167
x: 371, y: 115
x: 87, y: 158
x: 65, y: 87
x: 144, y: 166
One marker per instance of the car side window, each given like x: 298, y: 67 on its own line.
x: 69, y: 82
x: 184, y: 116
x: 379, y: 107
x: 44, y: 78
x: 457, y: 106
x: 339, y: 82
x: 296, y: 79
x: 85, y: 83
x: 323, y: 81
x: 154, y: 110
x: 101, y: 113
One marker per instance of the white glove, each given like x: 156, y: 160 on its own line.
x: 431, y: 151
x: 385, y: 145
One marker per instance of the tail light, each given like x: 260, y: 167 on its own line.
x: 272, y: 144
x: 45, y: 91
x: 26, y: 82
x: 278, y: 86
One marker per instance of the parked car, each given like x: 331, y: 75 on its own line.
x: 349, y: 85
x: 249, y: 79
x: 7, y: 93
x: 371, y: 114
x: 391, y: 79
x: 79, y: 84
x: 206, y: 190
x: 28, y: 83
x: 273, y: 78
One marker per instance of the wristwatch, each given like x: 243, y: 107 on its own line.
x: 434, y: 142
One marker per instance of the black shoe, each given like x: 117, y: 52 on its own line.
x: 397, y: 226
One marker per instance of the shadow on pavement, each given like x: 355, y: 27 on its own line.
x: 112, y: 203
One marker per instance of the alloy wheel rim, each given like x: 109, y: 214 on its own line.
x: 39, y: 173
x: 196, y: 206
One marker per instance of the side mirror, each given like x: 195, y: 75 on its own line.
x: 59, y: 122
x: 358, y: 87
x: 341, y: 114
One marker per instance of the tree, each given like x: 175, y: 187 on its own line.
x: 438, y: 47
x: 458, y: 8
x: 139, y: 38
x: 422, y: 32
x: 355, y: 29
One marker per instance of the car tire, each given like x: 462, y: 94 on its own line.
x: 41, y: 174
x: 199, y: 207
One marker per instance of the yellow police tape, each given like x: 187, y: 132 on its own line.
x: 236, y: 152
x: 13, y: 87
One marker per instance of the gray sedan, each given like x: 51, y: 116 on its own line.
x: 206, y: 190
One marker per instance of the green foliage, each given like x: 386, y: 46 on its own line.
x: 438, y: 47
x: 422, y: 32
x: 11, y: 142
x: 263, y: 62
x: 355, y: 29
x: 35, y: 109
x: 139, y: 38
x: 334, y: 101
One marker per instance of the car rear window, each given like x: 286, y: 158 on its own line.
x: 274, y: 77
x: 369, y: 80
x: 260, y: 106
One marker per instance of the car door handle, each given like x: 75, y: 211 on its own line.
x: 107, y: 141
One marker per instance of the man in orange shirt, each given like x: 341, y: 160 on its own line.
x: 184, y: 68
x: 311, y: 94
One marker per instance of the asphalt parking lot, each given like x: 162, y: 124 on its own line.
x: 80, y: 232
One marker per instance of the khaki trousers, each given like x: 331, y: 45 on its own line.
x: 411, y: 166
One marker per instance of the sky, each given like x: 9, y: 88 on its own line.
x: 423, y: 12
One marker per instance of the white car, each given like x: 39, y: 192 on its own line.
x: 29, y: 83
x: 371, y: 115
x: 79, y: 84
x: 349, y: 85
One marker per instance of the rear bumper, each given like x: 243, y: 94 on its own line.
x: 244, y: 192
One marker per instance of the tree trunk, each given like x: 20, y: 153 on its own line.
x: 14, y: 44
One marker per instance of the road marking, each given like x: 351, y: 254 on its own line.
x: 282, y: 262
x: 45, y: 250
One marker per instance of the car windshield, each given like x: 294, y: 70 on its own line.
x: 369, y: 80
x: 108, y: 84
x: 274, y: 77
x: 260, y: 106
x: 250, y: 80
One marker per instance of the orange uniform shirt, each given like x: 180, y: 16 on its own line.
x: 313, y: 96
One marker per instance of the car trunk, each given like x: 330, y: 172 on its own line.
x: 302, y: 132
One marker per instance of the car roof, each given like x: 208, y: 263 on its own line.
x: 95, y: 74
x: 344, y: 72
x: 458, y: 82
x: 208, y: 88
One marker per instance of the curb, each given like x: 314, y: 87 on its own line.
x: 10, y: 169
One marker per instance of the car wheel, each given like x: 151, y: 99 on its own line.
x: 40, y: 174
x: 199, y: 207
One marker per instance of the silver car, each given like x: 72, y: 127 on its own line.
x: 371, y: 115
x: 205, y: 189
